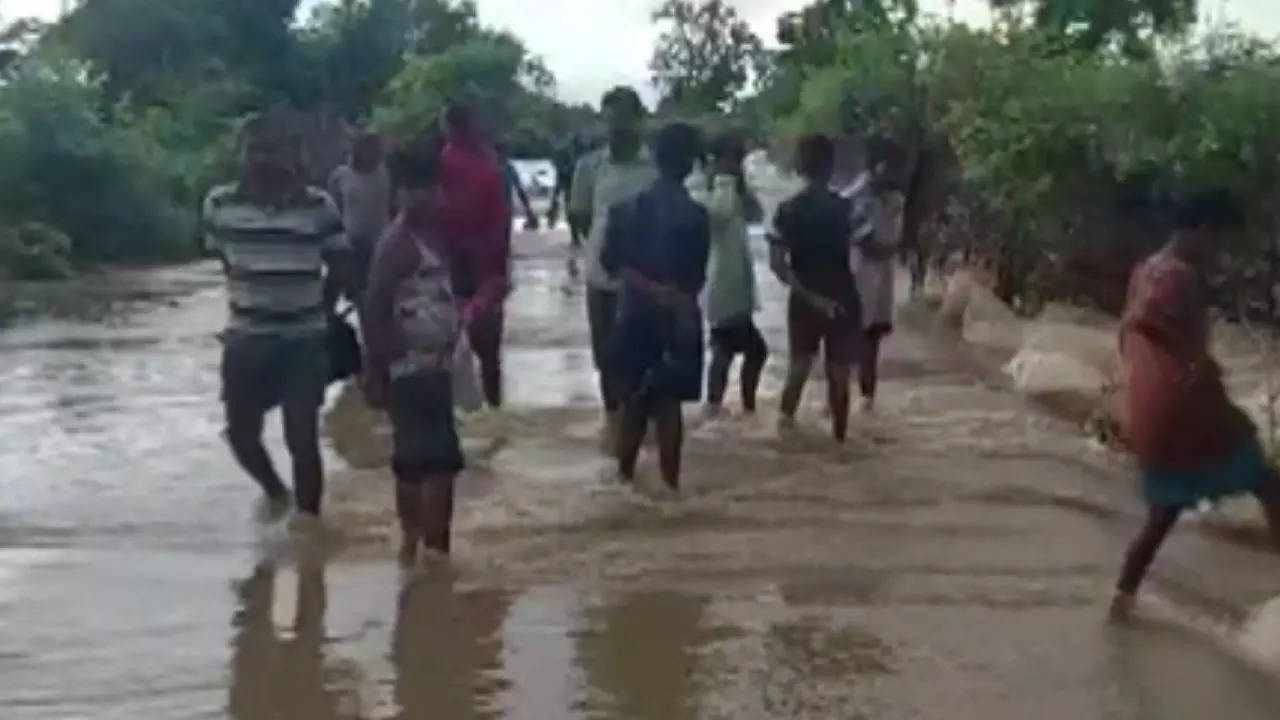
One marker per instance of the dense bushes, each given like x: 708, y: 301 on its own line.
x: 65, y: 164
x: 1066, y: 154
x: 115, y: 120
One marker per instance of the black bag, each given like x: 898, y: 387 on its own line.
x: 343, y: 348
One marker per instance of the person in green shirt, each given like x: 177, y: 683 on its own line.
x: 732, y: 297
x: 604, y: 178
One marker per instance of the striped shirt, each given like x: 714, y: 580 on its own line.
x: 274, y: 259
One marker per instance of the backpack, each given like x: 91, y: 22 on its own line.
x: 426, y: 311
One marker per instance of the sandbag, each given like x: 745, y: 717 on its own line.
x: 1093, y: 346
x: 955, y: 298
x: 988, y: 322
x: 1037, y: 373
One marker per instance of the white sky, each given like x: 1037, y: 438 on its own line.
x: 593, y: 44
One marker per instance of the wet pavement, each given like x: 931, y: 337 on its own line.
x: 953, y: 561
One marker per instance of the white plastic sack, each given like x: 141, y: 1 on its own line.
x: 467, y: 395
x: 1260, y: 636
x: 989, y: 322
x: 1096, y: 347
x: 955, y: 299
x: 1043, y: 373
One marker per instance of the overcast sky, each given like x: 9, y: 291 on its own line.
x: 593, y: 44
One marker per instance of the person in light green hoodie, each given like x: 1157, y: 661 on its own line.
x: 731, y: 297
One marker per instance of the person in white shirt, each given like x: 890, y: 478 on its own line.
x: 362, y: 190
x: 878, y: 202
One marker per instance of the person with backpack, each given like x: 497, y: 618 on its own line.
x: 657, y: 244
x: 413, y: 326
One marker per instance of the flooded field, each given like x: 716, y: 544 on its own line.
x: 954, y: 561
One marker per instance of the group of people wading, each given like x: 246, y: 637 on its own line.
x: 419, y: 242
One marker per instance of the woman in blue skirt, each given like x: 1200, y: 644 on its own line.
x: 1192, y: 444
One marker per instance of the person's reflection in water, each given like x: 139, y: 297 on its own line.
x: 639, y: 657
x: 447, y: 650
x: 275, y: 676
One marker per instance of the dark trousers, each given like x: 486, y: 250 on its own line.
x: 259, y: 373
x: 485, y: 336
x: 727, y: 342
x: 602, y: 317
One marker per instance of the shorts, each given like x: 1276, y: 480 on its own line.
x: 361, y: 260
x: 808, y: 330
x: 655, y: 356
x: 741, y: 337
x: 602, y: 317
x: 424, y: 436
x: 879, y: 331
x: 260, y: 372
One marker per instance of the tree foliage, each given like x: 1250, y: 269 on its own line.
x: 812, y: 34
x: 1064, y: 149
x: 146, y: 48
x: 485, y: 71
x: 118, y: 118
x: 1090, y: 25
x: 705, y: 56
x: 64, y: 164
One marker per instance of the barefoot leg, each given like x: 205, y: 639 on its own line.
x: 670, y: 427
x: 410, y: 511
x: 797, y: 376
x: 1269, y: 496
x: 633, y: 426
x: 437, y: 502
x: 1142, y: 551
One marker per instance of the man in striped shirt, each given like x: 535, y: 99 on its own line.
x: 275, y: 236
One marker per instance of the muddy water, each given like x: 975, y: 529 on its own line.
x: 941, y: 566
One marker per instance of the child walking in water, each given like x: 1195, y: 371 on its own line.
x: 412, y: 325
x: 658, y: 244
x: 1192, y: 444
x: 732, y: 297
x: 810, y: 253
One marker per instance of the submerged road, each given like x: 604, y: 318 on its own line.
x: 954, y: 561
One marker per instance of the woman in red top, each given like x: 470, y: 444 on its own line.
x: 475, y: 216
x: 1192, y: 444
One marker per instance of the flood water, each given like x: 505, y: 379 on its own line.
x: 932, y: 569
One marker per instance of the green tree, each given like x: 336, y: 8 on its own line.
x: 811, y: 35
x: 148, y: 49
x: 65, y: 164
x: 705, y: 56
x: 435, y: 26
x: 17, y: 38
x: 486, y: 71
x: 1125, y: 25
x: 353, y: 48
